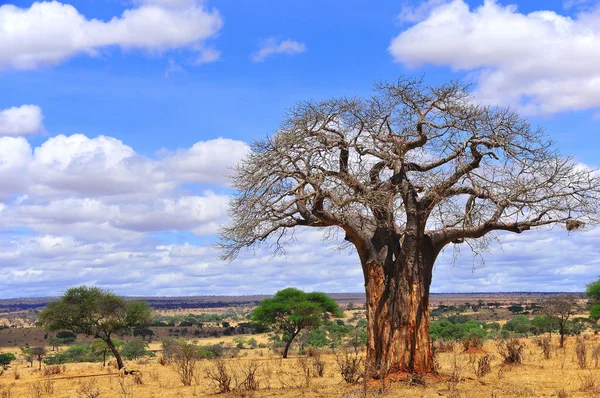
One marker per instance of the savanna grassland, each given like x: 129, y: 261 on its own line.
x: 249, y: 364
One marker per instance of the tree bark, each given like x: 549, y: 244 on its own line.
x: 115, y: 352
x: 288, y: 344
x: 397, y: 291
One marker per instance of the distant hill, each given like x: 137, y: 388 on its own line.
x: 23, y: 304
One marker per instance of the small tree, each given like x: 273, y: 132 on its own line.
x: 6, y: 358
x: 99, y: 346
x: 38, y: 353
x: 143, y: 333
x: 134, y: 349
x: 515, y: 308
x: 593, y: 292
x: 95, y: 312
x: 184, y: 357
x: 291, y: 310
x: 544, y: 324
x: 560, y: 308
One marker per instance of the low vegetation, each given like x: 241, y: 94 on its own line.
x: 476, y: 354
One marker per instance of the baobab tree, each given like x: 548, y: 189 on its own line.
x: 402, y: 174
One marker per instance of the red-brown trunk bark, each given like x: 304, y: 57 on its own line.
x: 397, y: 292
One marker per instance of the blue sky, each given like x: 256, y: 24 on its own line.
x: 119, y: 120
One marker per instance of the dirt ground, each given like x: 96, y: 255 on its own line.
x: 536, y: 377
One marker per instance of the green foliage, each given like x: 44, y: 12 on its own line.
x: 135, y: 349
x: 544, y: 324
x: 211, y: 351
x: 448, y: 330
x: 593, y: 290
x: 66, y: 335
x: 62, y: 338
x: 595, y: 312
x: 94, y: 312
x: 99, y: 346
x: 6, y: 358
x: 143, y: 332
x: 74, y: 354
x: 175, y: 347
x: 519, y: 324
x: 197, y: 320
x: 240, y: 342
x: 515, y: 308
x: 291, y: 311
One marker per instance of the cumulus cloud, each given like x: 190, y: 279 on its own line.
x: 541, y: 62
x: 100, y: 188
x: 78, y: 210
x: 204, y: 161
x: 47, y: 33
x: 273, y: 46
x: 21, y: 120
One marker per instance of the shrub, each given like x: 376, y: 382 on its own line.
x: 519, y: 324
x: 581, y: 353
x: 135, y: 349
x: 484, y: 365
x: 77, y: 353
x: 596, y: 355
x: 220, y: 375
x: 471, y: 342
x: 545, y: 344
x: 183, y: 359
x: 6, y: 358
x: 250, y: 382
x: 511, y: 350
x: 54, y: 370
x: 350, y: 367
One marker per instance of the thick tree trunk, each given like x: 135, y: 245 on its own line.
x: 397, y: 291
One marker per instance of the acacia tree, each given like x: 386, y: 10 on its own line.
x: 560, y: 308
x: 291, y: 310
x: 402, y: 174
x: 95, y: 312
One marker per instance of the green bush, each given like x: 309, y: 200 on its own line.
x: 6, y: 358
x: 77, y: 353
x: 448, y: 330
x: 135, y: 349
x: 519, y: 324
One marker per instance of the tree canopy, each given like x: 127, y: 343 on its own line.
x: 593, y: 292
x: 351, y: 162
x: 95, y: 312
x: 291, y: 310
x: 402, y: 174
x: 560, y: 308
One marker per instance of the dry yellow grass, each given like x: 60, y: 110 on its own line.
x: 536, y: 377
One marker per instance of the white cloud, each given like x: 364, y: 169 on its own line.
x: 541, y: 62
x: 101, y: 189
x: 79, y: 210
x: 411, y: 13
x: 272, y: 46
x: 205, y: 160
x: 47, y: 33
x: 15, y: 157
x: 21, y: 120
x: 208, y: 55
